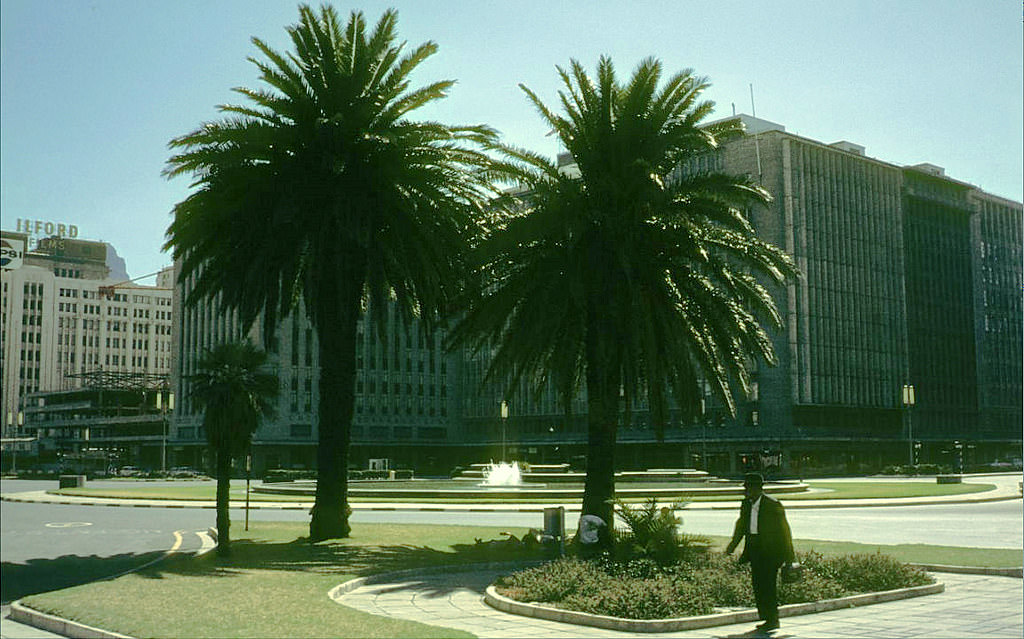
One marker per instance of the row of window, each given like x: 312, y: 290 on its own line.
x: 371, y: 388
x: 395, y: 409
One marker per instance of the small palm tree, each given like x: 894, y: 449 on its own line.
x: 235, y: 390
x: 628, y: 276
x: 325, y: 192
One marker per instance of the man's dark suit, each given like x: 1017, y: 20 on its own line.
x: 766, y: 551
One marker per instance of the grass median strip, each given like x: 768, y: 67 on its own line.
x: 276, y: 583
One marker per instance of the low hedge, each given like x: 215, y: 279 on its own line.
x: 279, y: 475
x: 917, y: 469
x: 642, y: 589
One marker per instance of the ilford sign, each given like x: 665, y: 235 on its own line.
x: 42, y: 227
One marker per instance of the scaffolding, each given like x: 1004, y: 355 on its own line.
x: 110, y: 380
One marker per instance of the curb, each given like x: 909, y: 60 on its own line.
x: 973, y: 570
x: 57, y: 625
x: 504, y: 604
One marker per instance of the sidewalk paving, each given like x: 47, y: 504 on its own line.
x: 971, y: 606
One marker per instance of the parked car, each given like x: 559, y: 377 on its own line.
x: 129, y: 471
x: 183, y: 471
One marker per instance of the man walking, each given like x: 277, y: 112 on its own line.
x: 768, y: 546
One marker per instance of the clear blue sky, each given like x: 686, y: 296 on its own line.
x: 93, y: 90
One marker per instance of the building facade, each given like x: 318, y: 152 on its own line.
x: 63, y: 319
x: 909, y: 278
x: 405, y: 396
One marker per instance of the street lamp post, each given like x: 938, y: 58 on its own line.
x: 248, y: 472
x: 908, y: 403
x: 10, y: 428
x: 13, y: 433
x: 704, y: 434
x: 163, y: 407
x: 504, y: 419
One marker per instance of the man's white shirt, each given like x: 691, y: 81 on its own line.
x: 754, y: 510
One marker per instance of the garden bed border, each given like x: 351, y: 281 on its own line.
x: 539, y: 611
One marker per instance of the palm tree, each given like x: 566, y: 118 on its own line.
x: 631, y: 276
x: 323, y: 192
x: 235, y: 391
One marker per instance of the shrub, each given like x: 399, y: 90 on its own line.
x: 725, y: 588
x: 633, y: 568
x: 653, y: 533
x: 810, y: 587
x: 873, y: 573
x: 917, y: 469
x: 642, y: 588
x: 657, y: 598
x: 284, y: 474
x: 555, y: 581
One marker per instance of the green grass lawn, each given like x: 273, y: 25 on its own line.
x: 910, y: 553
x: 204, y: 492
x: 876, y: 490
x: 276, y: 583
x: 835, y: 490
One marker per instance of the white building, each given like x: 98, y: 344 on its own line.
x: 62, y: 317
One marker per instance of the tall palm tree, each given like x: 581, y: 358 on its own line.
x: 325, y: 190
x: 631, y: 276
x: 235, y: 390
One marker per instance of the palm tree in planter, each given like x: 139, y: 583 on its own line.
x: 629, y: 276
x: 324, y: 192
x: 235, y: 390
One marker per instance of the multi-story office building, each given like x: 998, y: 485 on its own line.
x: 405, y: 394
x: 63, y: 319
x: 910, y: 278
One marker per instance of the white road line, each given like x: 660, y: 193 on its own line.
x: 208, y: 543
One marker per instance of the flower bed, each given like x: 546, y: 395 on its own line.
x: 701, y: 583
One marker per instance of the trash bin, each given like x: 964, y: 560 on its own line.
x: 554, y: 528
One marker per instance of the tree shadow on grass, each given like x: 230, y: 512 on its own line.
x: 343, y: 558
x: 43, y: 575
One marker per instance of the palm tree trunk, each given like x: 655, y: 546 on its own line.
x: 336, y: 330
x: 603, y: 383
x: 223, y: 497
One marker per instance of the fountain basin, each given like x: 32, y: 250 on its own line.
x: 560, y: 473
x: 455, y: 490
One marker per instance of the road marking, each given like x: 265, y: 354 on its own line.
x: 68, y: 524
x: 207, y: 541
x: 178, y: 539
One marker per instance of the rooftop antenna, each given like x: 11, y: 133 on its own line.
x: 733, y: 109
x: 757, y: 144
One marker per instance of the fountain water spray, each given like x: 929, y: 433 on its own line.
x: 503, y: 474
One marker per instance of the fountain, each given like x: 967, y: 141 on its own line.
x: 508, y: 481
x: 502, y: 474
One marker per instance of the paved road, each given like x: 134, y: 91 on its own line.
x: 47, y: 547
x: 986, y: 525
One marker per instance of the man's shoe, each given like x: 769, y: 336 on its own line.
x: 768, y: 625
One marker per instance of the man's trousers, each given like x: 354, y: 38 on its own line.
x: 764, y: 576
